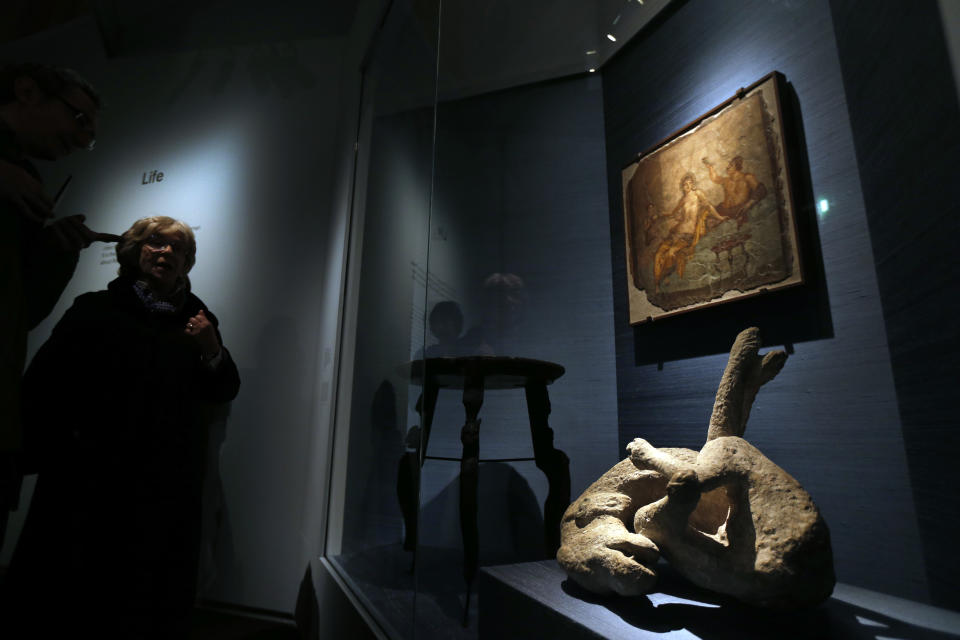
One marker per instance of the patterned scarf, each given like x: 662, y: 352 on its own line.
x: 157, y: 304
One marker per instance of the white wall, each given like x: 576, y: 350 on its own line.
x: 247, y: 139
x: 950, y: 11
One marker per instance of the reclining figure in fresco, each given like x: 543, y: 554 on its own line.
x: 726, y: 517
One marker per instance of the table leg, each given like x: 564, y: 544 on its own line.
x: 554, y: 463
x: 408, y: 472
x: 470, y: 437
x: 426, y: 405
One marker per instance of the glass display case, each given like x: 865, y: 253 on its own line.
x: 489, y: 369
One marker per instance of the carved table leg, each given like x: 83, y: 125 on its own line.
x: 408, y: 473
x: 470, y: 437
x: 554, y: 463
x: 426, y: 405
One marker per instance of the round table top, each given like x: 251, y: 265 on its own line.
x: 497, y: 372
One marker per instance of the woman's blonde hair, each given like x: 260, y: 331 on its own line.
x: 128, y: 249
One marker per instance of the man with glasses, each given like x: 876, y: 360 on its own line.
x: 45, y: 113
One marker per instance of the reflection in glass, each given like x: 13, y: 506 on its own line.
x: 391, y: 208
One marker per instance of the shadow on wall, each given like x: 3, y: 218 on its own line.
x: 267, y: 418
x: 509, y: 516
x: 379, y: 507
x: 216, y: 534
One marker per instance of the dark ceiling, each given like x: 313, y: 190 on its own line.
x: 22, y: 18
x: 135, y: 28
x: 484, y: 46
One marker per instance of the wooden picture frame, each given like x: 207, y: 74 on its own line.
x: 709, y: 211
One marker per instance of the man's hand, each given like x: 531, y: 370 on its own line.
x: 24, y: 193
x: 202, y: 330
x: 71, y: 234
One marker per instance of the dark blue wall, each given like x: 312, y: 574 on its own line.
x: 831, y: 417
x: 906, y: 130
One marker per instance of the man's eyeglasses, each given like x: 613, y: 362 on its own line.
x: 84, y: 121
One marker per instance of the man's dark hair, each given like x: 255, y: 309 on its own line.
x: 446, y: 310
x: 51, y: 80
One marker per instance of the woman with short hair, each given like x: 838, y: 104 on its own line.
x: 113, y: 406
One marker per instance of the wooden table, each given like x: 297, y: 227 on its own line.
x: 474, y: 375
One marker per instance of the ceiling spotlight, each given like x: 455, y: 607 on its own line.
x: 611, y: 38
x: 592, y: 52
x: 593, y: 70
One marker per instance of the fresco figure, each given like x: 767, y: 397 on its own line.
x: 692, y: 213
x: 741, y: 190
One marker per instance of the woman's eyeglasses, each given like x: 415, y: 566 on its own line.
x: 159, y: 243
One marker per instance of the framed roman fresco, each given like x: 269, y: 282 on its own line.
x: 709, y: 212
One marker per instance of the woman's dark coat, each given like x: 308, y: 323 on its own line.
x: 113, y: 406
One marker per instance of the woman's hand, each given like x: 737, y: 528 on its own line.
x: 202, y: 330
